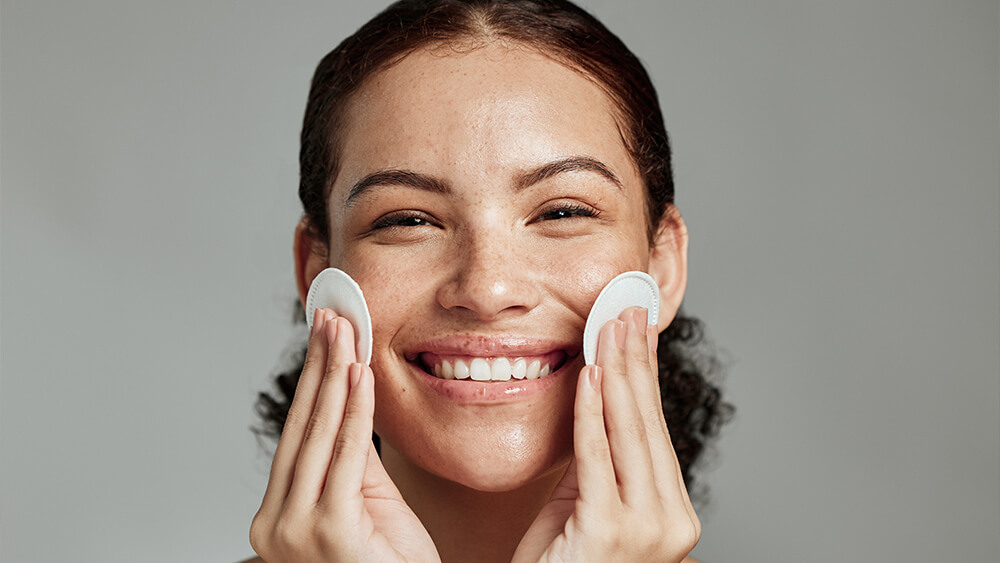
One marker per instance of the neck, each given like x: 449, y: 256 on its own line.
x: 466, y: 524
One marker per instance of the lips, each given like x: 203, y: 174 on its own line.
x: 491, y: 368
x: 477, y: 368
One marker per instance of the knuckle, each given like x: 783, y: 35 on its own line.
x: 260, y: 529
x: 335, y: 370
x: 639, y: 357
x: 311, y: 362
x: 697, y: 528
x: 294, y: 420
x: 635, y: 431
x: 653, y: 415
x: 687, y: 536
x: 353, y: 409
x: 596, y: 449
x: 285, y: 535
x: 318, y: 426
x: 589, y: 417
x: 346, y: 446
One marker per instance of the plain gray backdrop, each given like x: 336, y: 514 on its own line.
x: 838, y: 164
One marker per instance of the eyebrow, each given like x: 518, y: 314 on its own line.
x: 410, y: 179
x: 569, y: 164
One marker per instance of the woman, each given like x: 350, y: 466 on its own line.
x: 483, y: 169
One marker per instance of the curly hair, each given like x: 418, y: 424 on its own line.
x: 692, y: 404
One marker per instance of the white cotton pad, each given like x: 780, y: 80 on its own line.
x: 631, y: 289
x: 334, y: 289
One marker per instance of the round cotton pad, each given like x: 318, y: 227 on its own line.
x: 334, y: 289
x: 631, y: 289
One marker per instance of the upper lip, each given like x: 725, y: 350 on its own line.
x: 491, y: 346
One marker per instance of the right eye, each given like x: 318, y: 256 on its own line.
x: 401, y: 219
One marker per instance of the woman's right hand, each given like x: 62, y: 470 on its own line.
x: 328, y: 497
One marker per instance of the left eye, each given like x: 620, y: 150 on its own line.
x: 568, y: 211
x: 403, y: 219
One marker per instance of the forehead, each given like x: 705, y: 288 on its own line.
x: 492, y: 109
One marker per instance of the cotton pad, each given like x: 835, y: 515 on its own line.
x: 631, y: 289
x: 334, y: 289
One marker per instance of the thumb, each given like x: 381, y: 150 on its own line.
x: 568, y: 487
x: 377, y: 483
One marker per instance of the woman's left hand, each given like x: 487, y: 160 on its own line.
x: 623, y: 497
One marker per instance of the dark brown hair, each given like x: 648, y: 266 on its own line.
x: 560, y: 30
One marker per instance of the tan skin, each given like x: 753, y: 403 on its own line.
x: 581, y: 471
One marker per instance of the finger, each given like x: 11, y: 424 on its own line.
x: 642, y: 376
x: 377, y: 484
x: 666, y: 467
x: 625, y: 427
x: 350, y: 454
x: 641, y: 367
x: 595, y: 472
x: 303, y: 401
x: 321, y: 432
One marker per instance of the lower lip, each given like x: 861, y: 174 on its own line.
x: 467, y: 391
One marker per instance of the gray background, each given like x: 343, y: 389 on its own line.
x: 837, y: 163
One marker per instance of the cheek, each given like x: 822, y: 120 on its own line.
x: 392, y: 291
x: 577, y: 274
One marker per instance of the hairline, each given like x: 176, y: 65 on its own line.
x: 480, y: 39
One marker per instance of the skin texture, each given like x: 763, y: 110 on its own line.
x: 482, y: 257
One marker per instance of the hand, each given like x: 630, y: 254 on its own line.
x: 622, y: 497
x: 328, y: 497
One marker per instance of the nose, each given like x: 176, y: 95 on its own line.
x: 488, y: 281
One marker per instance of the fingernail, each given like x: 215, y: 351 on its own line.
x: 620, y: 335
x: 317, y: 323
x: 331, y: 332
x: 639, y: 317
x: 594, y: 377
x: 355, y: 374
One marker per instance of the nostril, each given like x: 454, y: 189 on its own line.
x: 489, y: 298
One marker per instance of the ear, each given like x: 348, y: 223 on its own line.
x: 668, y: 264
x: 310, y: 258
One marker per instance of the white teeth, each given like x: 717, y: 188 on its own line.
x: 480, y: 370
x: 518, y: 369
x: 500, y: 370
x: 497, y: 369
x: 461, y: 370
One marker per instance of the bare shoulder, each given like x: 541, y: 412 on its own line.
x: 686, y: 560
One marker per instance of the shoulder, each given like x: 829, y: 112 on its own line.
x: 686, y: 560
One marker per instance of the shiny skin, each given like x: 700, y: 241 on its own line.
x: 485, y: 261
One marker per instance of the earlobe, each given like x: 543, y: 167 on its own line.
x: 310, y: 258
x: 668, y: 264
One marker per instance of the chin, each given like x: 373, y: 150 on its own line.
x: 493, y: 456
x: 499, y: 473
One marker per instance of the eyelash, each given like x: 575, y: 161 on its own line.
x: 568, y: 211
x: 401, y: 219
x: 409, y: 219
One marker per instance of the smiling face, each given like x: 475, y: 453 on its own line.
x: 483, y: 201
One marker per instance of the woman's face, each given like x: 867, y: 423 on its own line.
x: 483, y: 201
